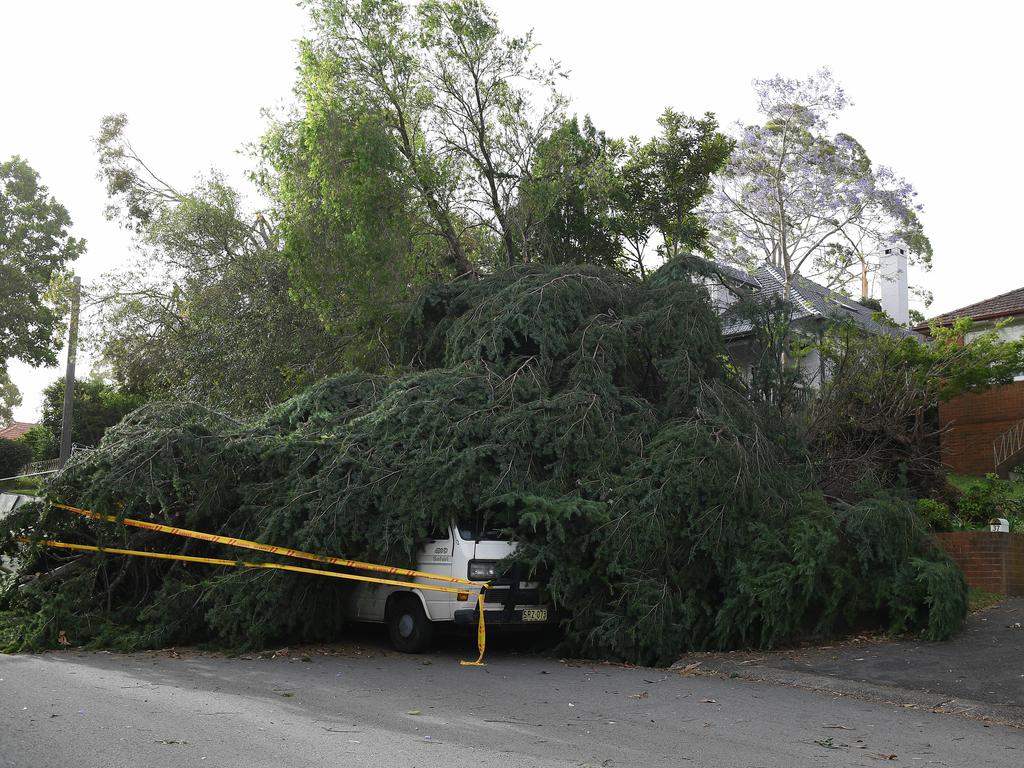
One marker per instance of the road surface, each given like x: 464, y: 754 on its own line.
x: 371, y: 707
x: 980, y: 672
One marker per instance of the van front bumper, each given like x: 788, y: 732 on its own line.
x: 504, y: 618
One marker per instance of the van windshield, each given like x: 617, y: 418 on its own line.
x: 478, y: 529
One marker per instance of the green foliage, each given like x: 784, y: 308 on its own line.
x: 35, y: 249
x: 677, y: 166
x: 13, y: 456
x: 42, y: 442
x: 936, y: 515
x: 876, y: 421
x: 96, y: 405
x: 990, y: 497
x: 27, y: 486
x: 206, y: 312
x: 961, y: 359
x: 570, y: 197
x: 10, y: 397
x: 418, y: 127
x: 601, y: 201
x: 587, y: 411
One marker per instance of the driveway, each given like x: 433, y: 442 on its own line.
x: 369, y: 707
x: 978, y: 674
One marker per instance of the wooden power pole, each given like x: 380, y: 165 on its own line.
x: 69, y: 375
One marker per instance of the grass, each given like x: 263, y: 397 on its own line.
x: 980, y: 600
x: 964, y: 483
x: 27, y: 485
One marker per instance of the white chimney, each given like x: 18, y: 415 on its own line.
x: 892, y: 272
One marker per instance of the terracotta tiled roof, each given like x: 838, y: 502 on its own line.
x: 16, y: 429
x: 1006, y: 304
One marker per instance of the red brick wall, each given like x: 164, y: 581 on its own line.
x: 993, y: 562
x: 972, y: 422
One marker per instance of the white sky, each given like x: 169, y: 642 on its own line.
x: 935, y: 87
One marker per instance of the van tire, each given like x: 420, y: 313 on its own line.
x: 408, y: 626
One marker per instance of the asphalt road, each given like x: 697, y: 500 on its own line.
x: 375, y: 708
x: 979, y: 673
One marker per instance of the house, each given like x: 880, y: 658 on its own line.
x: 815, y: 308
x: 15, y: 429
x: 984, y: 432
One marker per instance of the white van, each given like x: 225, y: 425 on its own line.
x: 463, y: 551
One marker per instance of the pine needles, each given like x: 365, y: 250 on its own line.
x: 592, y: 414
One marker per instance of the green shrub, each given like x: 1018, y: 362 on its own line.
x: 41, y: 442
x: 991, y: 497
x: 13, y: 456
x: 936, y: 515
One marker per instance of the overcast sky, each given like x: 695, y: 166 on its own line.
x: 936, y: 91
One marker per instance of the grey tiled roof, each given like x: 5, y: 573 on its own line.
x: 810, y: 300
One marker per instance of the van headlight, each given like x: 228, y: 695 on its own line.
x: 482, y: 570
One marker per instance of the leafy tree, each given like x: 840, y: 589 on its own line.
x: 572, y: 195
x: 664, y: 182
x: 10, y: 397
x: 206, y: 312
x: 679, y: 164
x: 876, y: 421
x: 602, y: 201
x: 35, y: 249
x: 13, y: 456
x: 404, y: 166
x: 96, y: 406
x: 482, y: 113
x: 43, y: 443
x: 807, y: 202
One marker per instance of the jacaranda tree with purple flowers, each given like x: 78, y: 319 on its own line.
x: 806, y: 201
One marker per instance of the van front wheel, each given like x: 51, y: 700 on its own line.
x: 408, y: 625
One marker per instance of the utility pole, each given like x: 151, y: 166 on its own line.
x: 69, y: 375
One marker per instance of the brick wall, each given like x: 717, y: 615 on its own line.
x: 993, y: 562
x: 972, y: 422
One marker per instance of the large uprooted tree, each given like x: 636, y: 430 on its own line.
x: 589, y: 412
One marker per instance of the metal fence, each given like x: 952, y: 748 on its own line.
x: 41, y: 467
x: 1007, y: 446
x: 47, y: 467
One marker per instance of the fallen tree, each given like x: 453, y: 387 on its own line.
x: 593, y: 414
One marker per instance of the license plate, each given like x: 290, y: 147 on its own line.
x: 535, y: 614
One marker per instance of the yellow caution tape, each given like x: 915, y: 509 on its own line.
x: 481, y: 633
x: 237, y: 564
x: 285, y: 551
x: 255, y: 545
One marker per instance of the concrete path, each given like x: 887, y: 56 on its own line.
x: 370, y: 707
